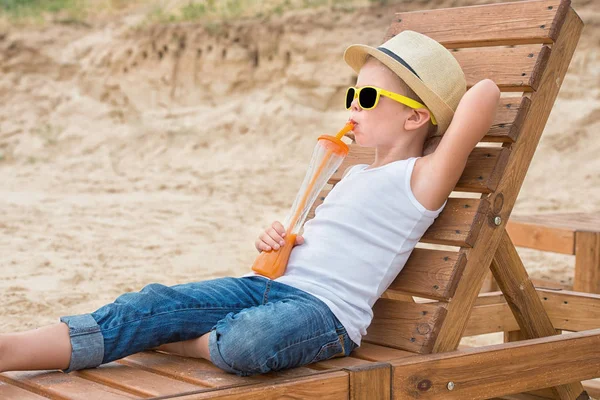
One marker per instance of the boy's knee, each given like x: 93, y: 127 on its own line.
x: 239, y: 346
x: 243, y: 355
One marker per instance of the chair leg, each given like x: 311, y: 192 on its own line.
x: 525, y: 304
x: 370, y: 382
x: 587, y: 262
x: 515, y: 336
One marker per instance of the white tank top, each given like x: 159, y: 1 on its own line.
x: 358, y: 242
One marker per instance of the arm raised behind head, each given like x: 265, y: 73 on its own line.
x: 436, y: 174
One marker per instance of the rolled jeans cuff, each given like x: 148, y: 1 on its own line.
x: 87, y: 342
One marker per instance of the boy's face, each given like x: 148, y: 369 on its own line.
x: 383, y: 125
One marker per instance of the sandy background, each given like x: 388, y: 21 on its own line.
x: 134, y: 155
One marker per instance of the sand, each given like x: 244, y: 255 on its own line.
x: 131, y: 156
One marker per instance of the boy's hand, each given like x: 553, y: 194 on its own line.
x: 272, y: 238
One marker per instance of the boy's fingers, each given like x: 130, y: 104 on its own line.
x: 279, y: 228
x: 269, y: 241
x: 260, y: 246
x: 275, y: 236
x: 299, y: 239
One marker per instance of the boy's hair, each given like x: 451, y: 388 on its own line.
x: 431, y: 129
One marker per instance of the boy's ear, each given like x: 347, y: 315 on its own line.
x: 417, y: 119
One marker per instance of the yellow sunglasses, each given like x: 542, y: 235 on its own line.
x: 368, y: 98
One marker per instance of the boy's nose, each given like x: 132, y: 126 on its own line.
x: 354, y: 105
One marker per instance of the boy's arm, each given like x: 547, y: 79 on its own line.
x: 437, y: 173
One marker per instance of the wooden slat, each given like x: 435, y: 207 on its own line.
x: 510, y: 114
x: 498, y: 370
x: 340, y: 363
x: 488, y: 25
x: 558, y: 240
x: 513, y: 69
x: 10, y: 392
x: 515, y: 336
x: 585, y: 221
x: 539, y: 283
x: 571, y: 311
x: 374, y: 352
x: 490, y: 319
x: 459, y: 223
x: 505, y: 195
x: 324, y: 386
x: 483, y: 170
x: 405, y: 326
x: 591, y: 387
x: 484, y: 167
x: 64, y: 386
x: 195, y: 371
x: 203, y: 372
x: 587, y: 261
x: 430, y: 273
x: 508, y: 121
x: 135, y: 381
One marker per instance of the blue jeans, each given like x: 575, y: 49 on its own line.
x: 256, y: 325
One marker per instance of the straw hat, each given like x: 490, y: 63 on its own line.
x: 426, y: 66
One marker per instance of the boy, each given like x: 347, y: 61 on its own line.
x: 360, y: 238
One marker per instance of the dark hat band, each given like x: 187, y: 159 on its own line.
x: 397, y: 58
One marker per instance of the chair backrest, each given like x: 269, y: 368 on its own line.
x: 517, y: 46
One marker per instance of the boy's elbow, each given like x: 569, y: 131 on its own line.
x: 492, y: 87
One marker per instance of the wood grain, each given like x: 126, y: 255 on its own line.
x: 587, y: 261
x: 488, y: 25
x: 497, y: 370
x: 405, y: 326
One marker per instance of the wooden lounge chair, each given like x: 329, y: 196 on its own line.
x: 410, y: 350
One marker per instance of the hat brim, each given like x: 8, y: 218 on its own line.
x: 356, y: 55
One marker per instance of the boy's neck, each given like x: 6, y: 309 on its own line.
x: 402, y: 151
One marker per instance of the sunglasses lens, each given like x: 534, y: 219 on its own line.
x: 367, y: 97
x: 349, y: 97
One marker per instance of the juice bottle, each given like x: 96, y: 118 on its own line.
x: 327, y: 156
